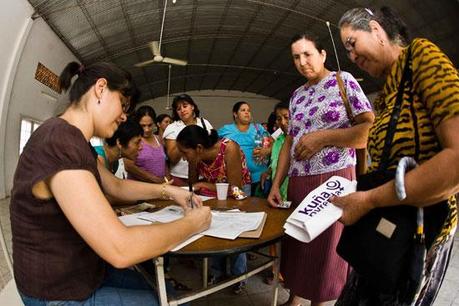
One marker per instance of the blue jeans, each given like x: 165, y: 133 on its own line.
x: 120, y: 287
x: 238, y: 265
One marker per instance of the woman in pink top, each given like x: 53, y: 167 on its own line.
x: 150, y: 165
x: 216, y: 160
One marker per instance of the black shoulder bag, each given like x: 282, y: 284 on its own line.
x: 382, y: 246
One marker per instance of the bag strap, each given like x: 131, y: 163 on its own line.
x: 395, y: 113
x: 344, y: 97
x: 203, y: 124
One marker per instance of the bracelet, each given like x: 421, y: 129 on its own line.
x: 163, y: 192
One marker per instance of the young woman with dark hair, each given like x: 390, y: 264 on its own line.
x: 150, y: 165
x: 216, y: 160
x: 185, y: 112
x: 68, y: 245
x: 162, y: 121
x: 125, y: 143
x: 244, y: 132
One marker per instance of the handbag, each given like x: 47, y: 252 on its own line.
x: 361, y: 154
x: 385, y: 247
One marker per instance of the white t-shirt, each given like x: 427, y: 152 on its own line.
x: 180, y: 169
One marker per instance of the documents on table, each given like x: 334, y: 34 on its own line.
x: 227, y: 224
x: 315, y: 213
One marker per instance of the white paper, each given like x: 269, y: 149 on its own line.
x: 133, y: 219
x: 229, y: 225
x: 315, y: 213
x: 165, y: 215
x: 187, y: 242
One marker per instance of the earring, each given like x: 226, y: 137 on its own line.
x: 98, y: 101
x: 119, y: 153
x: 381, y: 42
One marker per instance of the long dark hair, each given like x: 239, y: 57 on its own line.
x: 117, y: 79
x: 125, y: 132
x: 143, y: 111
x: 193, y: 135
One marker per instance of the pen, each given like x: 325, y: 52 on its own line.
x: 190, y: 188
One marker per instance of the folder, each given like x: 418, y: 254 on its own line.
x: 255, y: 233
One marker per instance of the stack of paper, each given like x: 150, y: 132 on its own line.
x: 229, y: 225
x: 226, y: 225
x: 315, y: 213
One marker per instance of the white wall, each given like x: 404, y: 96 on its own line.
x: 26, y: 97
x: 14, y: 28
x: 216, y: 106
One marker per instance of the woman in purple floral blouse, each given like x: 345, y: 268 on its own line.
x: 320, y: 143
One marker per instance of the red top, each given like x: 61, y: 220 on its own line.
x: 215, y: 172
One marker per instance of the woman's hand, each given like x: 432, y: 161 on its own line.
x: 308, y: 145
x: 354, y: 205
x: 274, y: 197
x: 200, y: 216
x: 182, y: 197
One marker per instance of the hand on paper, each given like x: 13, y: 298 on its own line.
x: 274, y: 197
x: 354, y: 205
x: 200, y: 216
x: 308, y: 145
x: 182, y: 197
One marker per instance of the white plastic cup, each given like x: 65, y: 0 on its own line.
x: 222, y: 190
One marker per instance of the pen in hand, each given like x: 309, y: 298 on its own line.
x: 190, y: 188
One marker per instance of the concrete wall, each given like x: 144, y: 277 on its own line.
x: 216, y: 106
x: 27, y: 97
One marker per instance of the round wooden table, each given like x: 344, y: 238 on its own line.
x: 272, y: 230
x: 210, y: 246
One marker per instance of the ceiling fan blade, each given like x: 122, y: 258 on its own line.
x: 146, y: 63
x: 174, y: 61
x: 154, y: 46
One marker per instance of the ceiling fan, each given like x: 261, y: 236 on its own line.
x: 158, y: 58
x: 155, y: 47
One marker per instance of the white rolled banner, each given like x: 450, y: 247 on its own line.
x: 315, y: 213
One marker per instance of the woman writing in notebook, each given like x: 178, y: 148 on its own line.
x: 320, y: 143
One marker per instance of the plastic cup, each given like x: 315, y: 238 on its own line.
x: 222, y: 190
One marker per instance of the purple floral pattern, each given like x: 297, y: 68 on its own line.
x: 331, y: 116
x: 331, y: 157
x: 318, y: 107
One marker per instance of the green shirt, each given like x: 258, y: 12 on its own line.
x: 277, y: 146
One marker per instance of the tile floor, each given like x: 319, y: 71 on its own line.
x: 257, y: 292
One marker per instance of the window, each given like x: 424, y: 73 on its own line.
x: 28, y: 126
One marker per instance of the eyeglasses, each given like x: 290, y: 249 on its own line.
x: 349, y: 45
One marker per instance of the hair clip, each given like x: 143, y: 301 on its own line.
x: 369, y: 11
x: 80, y: 70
